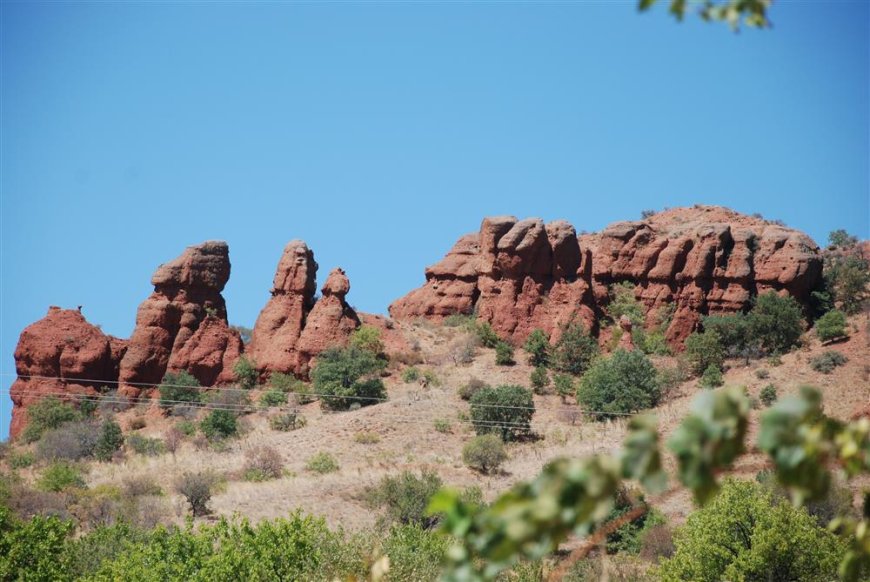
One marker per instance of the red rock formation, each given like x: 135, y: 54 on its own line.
x: 626, y: 342
x: 522, y: 275
x: 187, y: 290
x: 61, y: 355
x: 293, y: 327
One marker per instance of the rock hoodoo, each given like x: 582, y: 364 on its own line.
x: 61, y: 355
x: 522, y: 274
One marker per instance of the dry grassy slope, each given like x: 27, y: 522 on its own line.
x: 409, y: 441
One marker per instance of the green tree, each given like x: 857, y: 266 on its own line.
x: 219, y: 424
x: 504, y: 354
x: 842, y: 239
x: 178, y: 388
x: 776, y: 322
x: 33, y: 549
x: 575, y: 349
x: 712, y: 377
x: 484, y: 453
x: 539, y: 379
x: 405, y: 497
x: 487, y: 335
x: 49, y: 413
x: 348, y: 376
x: 624, y: 382
x: 845, y: 282
x: 744, y: 534
x: 505, y: 410
x: 538, y: 347
x: 368, y: 338
x: 704, y: 350
x: 246, y: 373
x: 111, y: 439
x: 831, y: 326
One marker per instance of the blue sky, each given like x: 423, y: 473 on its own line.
x: 380, y: 132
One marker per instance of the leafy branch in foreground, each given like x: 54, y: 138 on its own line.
x: 752, y: 12
x: 577, y: 495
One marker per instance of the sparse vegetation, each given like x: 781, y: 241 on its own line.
x: 348, y: 376
x: 286, y: 421
x: 827, y: 361
x: 505, y: 410
x: 442, y: 425
x: 72, y: 441
x: 263, y: 463
x: 487, y: 335
x: 196, y: 488
x: 60, y: 476
x: 367, y: 437
x: 273, y: 398
x: 619, y: 384
x: 762, y: 374
x: 468, y: 390
x: 147, y: 446
x: 410, y: 374
x: 484, y: 453
x: 322, y: 463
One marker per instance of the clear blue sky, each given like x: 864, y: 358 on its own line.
x: 379, y: 133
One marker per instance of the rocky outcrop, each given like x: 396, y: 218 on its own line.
x: 62, y: 355
x: 293, y: 328
x: 522, y: 274
x: 187, y: 292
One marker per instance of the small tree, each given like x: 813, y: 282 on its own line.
x: 575, y: 350
x: 219, y: 424
x: 111, y: 439
x: 347, y: 376
x: 487, y: 335
x: 246, y: 373
x: 196, y: 488
x: 47, y: 414
x: 539, y: 379
x: 776, y: 322
x: 504, y: 354
x: 538, y: 347
x: 623, y: 302
x: 827, y: 361
x: 484, y: 453
x: 704, y: 350
x: 624, y: 382
x: 406, y: 497
x: 178, y: 388
x: 564, y: 385
x: 842, y: 239
x: 768, y: 395
x: 712, y: 377
x: 368, y: 338
x: 831, y: 326
x: 505, y: 410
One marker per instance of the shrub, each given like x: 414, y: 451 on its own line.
x: 178, y: 388
x: 463, y: 349
x: 712, y: 377
x: 538, y: 347
x: 186, y: 427
x: 47, y: 414
x: 459, y: 320
x: 704, y: 350
x: 768, y: 395
x: 623, y: 302
x: 468, y: 390
x: 484, y: 453
x: 575, y: 350
x: 322, y: 463
x: 273, y: 398
x: 405, y: 497
x: 87, y: 408
x: 776, y: 322
x: 20, y: 460
x: 411, y: 374
x: 628, y: 537
x: 442, y: 425
x: 539, y: 379
x: 827, y: 361
x: 657, y: 542
x: 842, y: 239
x: 846, y: 279
x: 733, y: 332
x: 263, y: 463
x: 60, y: 476
x: 147, y: 446
x: 219, y: 424
x: 504, y: 354
x: 564, y: 385
x: 34, y: 549
x: 172, y: 439
x: 348, y: 376
x: 140, y: 486
x: 235, y: 400
x: 246, y: 373
x: 505, y: 410
x: 487, y: 335
x: 653, y: 342
x: 774, y: 361
x: 367, y: 338
x: 110, y: 440
x: 290, y: 384
x: 744, y: 534
x: 138, y: 423
x: 72, y: 441
x: 671, y: 377
x: 831, y: 326
x: 286, y: 421
x: 196, y: 488
x: 367, y: 437
x: 762, y: 374
x: 415, y: 553
x: 622, y: 383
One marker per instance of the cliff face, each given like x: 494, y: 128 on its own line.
x: 523, y: 274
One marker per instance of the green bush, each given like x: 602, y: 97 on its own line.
x: 35, y: 549
x: 367, y: 338
x: 286, y: 421
x: 831, y: 326
x: 286, y: 383
x: 487, y: 335
x: 484, y: 453
x: 219, y: 424
x: 468, y: 390
x: 322, y: 463
x: 846, y: 275
x: 442, y: 425
x: 768, y: 395
x: 273, y: 398
x: 744, y: 534
x: 179, y: 388
x: 410, y: 374
x: 186, y: 427
x: 348, y: 376
x: 776, y: 322
x: 704, y: 350
x: 47, y: 414
x: 415, y: 553
x: 111, y: 439
x: 733, y: 331
x: 147, y: 446
x: 405, y: 497
x: 504, y: 354
x: 21, y: 460
x: 628, y: 537
x: 564, y: 385
x: 575, y: 350
x: 622, y: 383
x: 196, y: 488
x: 712, y: 377
x: 538, y: 347
x: 842, y: 239
x: 505, y: 410
x: 623, y: 302
x: 539, y: 379
x: 459, y: 320
x: 246, y: 373
x: 827, y: 361
x: 762, y: 374
x: 59, y: 477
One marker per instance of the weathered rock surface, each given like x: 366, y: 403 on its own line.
x: 330, y: 322
x: 61, y: 355
x: 187, y: 290
x: 522, y: 274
